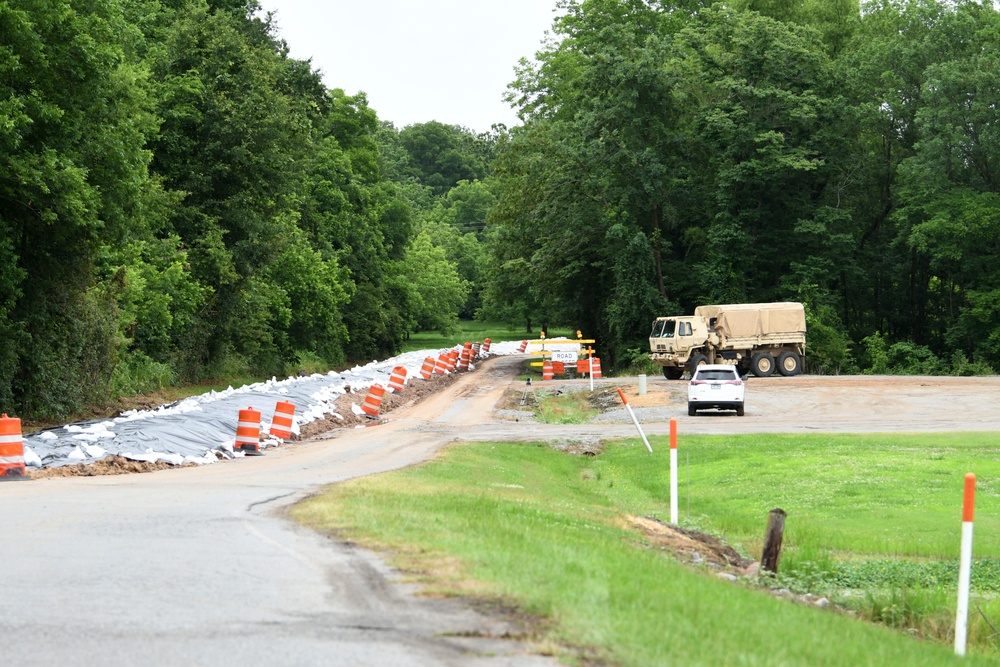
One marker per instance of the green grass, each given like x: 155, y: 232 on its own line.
x: 528, y: 524
x: 473, y: 330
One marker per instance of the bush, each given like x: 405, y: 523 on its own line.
x: 138, y: 374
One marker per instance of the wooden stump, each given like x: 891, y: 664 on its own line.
x: 772, y: 540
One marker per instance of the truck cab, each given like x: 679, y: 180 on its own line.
x: 673, y: 340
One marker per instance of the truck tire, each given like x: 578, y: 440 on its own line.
x: 789, y: 363
x: 762, y: 364
x: 695, y: 361
x: 672, y: 373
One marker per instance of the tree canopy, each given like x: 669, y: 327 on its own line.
x: 182, y: 200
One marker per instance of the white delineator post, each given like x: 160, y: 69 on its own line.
x: 673, y: 471
x: 590, y: 367
x: 965, y: 565
x: 628, y: 408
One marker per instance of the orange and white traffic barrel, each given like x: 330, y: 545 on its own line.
x: 11, y: 448
x: 485, y: 350
x: 441, y: 365
x: 475, y: 349
x: 283, y: 420
x: 524, y: 346
x: 373, y: 401
x: 428, y: 368
x: 397, y: 379
x: 547, y: 370
x: 595, y: 368
x: 452, y: 360
x: 248, y: 432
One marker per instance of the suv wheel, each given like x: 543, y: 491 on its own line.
x: 692, y: 411
x: 739, y: 410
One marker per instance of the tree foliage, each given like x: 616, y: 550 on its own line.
x: 680, y: 153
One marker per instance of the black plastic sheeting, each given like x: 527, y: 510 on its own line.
x: 201, y: 429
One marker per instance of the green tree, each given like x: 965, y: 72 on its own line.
x: 74, y: 121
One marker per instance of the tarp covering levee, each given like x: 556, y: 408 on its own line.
x: 755, y: 319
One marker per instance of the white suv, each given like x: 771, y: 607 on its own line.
x: 716, y: 386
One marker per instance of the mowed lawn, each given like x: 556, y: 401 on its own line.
x: 546, y: 530
x: 473, y: 331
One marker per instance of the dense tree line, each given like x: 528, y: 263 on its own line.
x: 678, y: 152
x: 181, y: 200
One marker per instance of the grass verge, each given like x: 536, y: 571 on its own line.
x: 473, y: 330
x: 546, y: 530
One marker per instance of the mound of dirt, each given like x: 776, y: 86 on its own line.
x: 690, y: 545
x: 415, y: 390
x: 110, y: 465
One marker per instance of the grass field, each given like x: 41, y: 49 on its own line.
x: 474, y: 331
x: 874, y: 514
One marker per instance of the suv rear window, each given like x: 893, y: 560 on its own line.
x: 723, y: 375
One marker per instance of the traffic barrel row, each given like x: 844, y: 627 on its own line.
x: 248, y: 427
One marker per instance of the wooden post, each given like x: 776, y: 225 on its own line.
x: 772, y: 540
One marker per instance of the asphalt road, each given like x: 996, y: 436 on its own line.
x: 197, y: 566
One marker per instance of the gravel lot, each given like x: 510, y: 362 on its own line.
x: 812, y: 403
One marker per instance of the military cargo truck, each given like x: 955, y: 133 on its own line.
x: 755, y: 337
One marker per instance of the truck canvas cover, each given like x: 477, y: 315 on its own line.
x: 755, y: 319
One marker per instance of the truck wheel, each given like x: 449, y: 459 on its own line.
x: 762, y: 364
x: 789, y: 363
x: 695, y: 361
x: 672, y: 373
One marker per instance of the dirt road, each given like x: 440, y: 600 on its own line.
x: 197, y: 566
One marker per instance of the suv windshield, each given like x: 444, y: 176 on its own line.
x: 722, y: 375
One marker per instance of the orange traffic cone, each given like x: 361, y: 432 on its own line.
x: 283, y: 420
x: 11, y: 449
x: 248, y: 432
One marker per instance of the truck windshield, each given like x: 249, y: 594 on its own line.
x: 663, y: 329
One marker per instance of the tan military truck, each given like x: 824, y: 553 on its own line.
x: 757, y: 337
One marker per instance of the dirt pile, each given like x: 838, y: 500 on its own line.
x: 109, y: 465
x: 690, y: 545
x: 415, y: 390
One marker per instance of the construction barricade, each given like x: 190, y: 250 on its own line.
x: 428, y: 368
x: 465, y: 358
x: 373, y: 401
x: 397, y: 379
x: 441, y: 365
x: 248, y: 432
x: 547, y: 370
x: 484, y: 351
x: 11, y: 449
x: 452, y: 361
x: 523, y: 347
x: 283, y: 420
x: 595, y: 368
